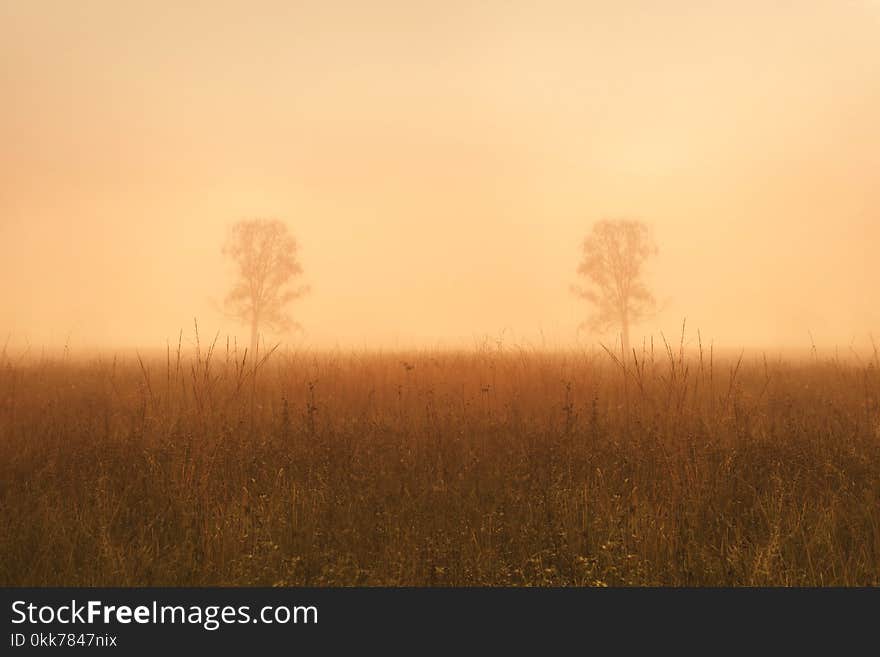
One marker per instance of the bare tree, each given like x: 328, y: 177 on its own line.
x: 264, y: 252
x: 613, y: 255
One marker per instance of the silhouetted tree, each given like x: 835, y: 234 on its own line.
x: 613, y: 255
x: 264, y: 252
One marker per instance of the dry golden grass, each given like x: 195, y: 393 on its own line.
x: 491, y: 467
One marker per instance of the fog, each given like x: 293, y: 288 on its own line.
x: 440, y: 164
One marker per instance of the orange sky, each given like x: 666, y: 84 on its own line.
x: 440, y: 164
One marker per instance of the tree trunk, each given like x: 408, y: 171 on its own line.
x: 624, y: 336
x: 255, y: 337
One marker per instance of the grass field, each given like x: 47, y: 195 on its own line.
x: 485, y: 467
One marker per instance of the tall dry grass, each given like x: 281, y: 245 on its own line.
x: 491, y: 467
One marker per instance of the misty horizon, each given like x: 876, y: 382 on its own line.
x: 441, y: 172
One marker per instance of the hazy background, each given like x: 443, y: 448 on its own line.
x: 439, y: 163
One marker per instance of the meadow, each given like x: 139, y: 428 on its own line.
x: 492, y: 466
